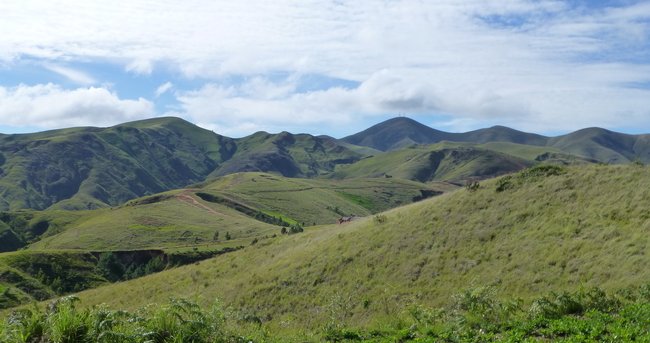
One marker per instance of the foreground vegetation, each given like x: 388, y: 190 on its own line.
x: 547, y: 229
x: 475, y: 315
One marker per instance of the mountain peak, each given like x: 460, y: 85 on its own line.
x: 394, y: 133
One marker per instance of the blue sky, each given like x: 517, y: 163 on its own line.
x: 326, y: 67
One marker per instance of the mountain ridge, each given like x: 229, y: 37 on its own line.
x: 91, y: 167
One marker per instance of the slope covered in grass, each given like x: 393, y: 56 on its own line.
x: 169, y: 220
x: 590, y: 143
x: 315, y: 201
x: 548, y: 230
x: 290, y: 155
x: 445, y: 161
x: 85, y: 168
x: 241, y: 205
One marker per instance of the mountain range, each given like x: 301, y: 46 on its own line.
x: 87, y: 167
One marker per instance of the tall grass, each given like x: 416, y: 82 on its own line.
x: 475, y: 315
x: 63, y: 322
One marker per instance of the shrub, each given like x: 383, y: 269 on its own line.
x: 380, y: 219
x: 472, y: 186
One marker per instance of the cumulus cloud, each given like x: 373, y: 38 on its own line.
x: 566, y: 101
x: 534, y: 64
x: 50, y: 106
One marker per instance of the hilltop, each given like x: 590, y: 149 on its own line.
x: 61, y: 251
x: 543, y: 229
x: 591, y: 143
x: 90, y: 168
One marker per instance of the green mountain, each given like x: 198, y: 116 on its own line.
x: 540, y: 230
x: 401, y: 132
x: 592, y: 143
x: 287, y: 154
x: 226, y: 214
x: 439, y: 162
x: 88, y: 168
x: 604, y: 145
x: 397, y: 133
x: 85, y: 168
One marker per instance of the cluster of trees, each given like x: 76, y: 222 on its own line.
x: 110, y: 266
x: 293, y: 229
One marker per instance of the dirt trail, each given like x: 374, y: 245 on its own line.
x: 188, y: 199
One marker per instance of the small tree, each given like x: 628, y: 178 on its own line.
x: 215, y: 237
x: 228, y: 237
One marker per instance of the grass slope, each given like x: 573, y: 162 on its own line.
x: 443, y: 161
x: 28, y: 276
x: 315, y: 201
x: 181, y: 218
x: 587, y: 226
x: 169, y: 220
x: 287, y: 154
x: 591, y: 143
x: 85, y: 168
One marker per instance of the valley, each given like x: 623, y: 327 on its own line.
x: 310, y: 238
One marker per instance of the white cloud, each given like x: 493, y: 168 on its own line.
x: 49, y: 106
x: 73, y: 75
x: 164, y: 88
x: 531, y: 107
x: 542, y: 65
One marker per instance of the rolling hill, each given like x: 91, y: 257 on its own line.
x: 591, y: 143
x: 287, y: 154
x: 439, y: 162
x: 543, y: 229
x: 242, y: 205
x: 90, y: 168
x: 86, y: 168
x: 60, y: 250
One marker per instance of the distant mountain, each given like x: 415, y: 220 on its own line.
x: 398, y: 133
x: 287, y: 154
x: 84, y: 168
x: 501, y: 134
x: 87, y: 167
x: 592, y: 143
x: 438, y: 162
x: 604, y: 145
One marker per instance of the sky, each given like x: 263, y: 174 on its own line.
x: 326, y: 67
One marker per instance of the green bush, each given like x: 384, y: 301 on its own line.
x: 178, y: 321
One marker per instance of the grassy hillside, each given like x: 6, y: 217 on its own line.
x: 314, y: 201
x: 168, y: 220
x: 28, y: 276
x: 443, y: 161
x: 591, y: 143
x: 189, y: 218
x: 604, y: 145
x: 546, y: 229
x: 288, y: 155
x: 397, y: 133
x: 85, y: 168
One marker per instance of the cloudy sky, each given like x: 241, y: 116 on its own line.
x: 331, y: 67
